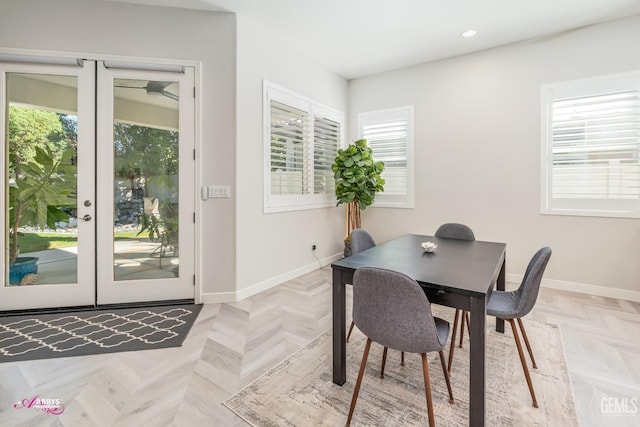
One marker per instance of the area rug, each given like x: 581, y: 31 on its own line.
x: 43, y: 336
x: 300, y: 391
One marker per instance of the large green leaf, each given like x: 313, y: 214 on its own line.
x: 41, y: 189
x: 27, y: 193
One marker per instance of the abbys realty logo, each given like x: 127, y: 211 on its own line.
x: 48, y: 405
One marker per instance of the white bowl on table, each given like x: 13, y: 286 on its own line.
x: 429, y: 246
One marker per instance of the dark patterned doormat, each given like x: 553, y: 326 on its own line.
x: 44, y: 336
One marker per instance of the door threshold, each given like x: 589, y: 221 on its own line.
x: 54, y: 310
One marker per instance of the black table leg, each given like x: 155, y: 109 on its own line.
x: 500, y: 286
x: 477, y: 380
x: 339, y: 325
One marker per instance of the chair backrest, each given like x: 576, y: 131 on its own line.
x: 527, y: 292
x: 361, y: 240
x: 454, y: 230
x: 393, y: 310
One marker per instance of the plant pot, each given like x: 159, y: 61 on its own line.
x: 347, y: 247
x: 22, y: 267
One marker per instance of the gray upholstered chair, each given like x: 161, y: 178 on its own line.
x: 513, y: 305
x: 391, y: 309
x: 361, y: 240
x: 454, y: 230
x: 457, y: 231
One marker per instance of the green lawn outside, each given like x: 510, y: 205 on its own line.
x: 131, y: 235
x: 33, y: 242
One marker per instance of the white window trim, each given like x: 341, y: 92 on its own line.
x: 383, y: 200
x: 284, y: 203
x: 579, y: 207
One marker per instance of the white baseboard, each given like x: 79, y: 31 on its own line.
x: 222, y: 297
x: 217, y: 298
x: 513, y: 280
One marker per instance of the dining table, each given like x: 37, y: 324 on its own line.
x: 459, y: 274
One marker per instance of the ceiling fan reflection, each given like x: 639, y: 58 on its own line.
x: 154, y: 88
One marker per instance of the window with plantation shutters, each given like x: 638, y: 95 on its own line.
x: 591, y: 155
x: 301, y: 143
x: 389, y: 133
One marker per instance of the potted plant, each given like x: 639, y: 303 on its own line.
x: 357, y: 179
x: 38, y: 189
x: 162, y: 228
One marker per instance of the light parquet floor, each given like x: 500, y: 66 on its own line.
x: 230, y: 345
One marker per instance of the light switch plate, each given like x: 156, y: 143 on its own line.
x: 219, y: 191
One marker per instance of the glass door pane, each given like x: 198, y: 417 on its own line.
x: 42, y: 186
x: 146, y: 185
x: 47, y: 130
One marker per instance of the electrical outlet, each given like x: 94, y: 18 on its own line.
x: 313, y: 246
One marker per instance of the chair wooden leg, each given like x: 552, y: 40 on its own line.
x: 452, y: 346
x: 427, y: 389
x: 526, y: 341
x: 384, y: 361
x: 446, y: 375
x: 523, y: 361
x: 466, y: 316
x: 463, y: 317
x: 356, y: 389
x: 350, y: 330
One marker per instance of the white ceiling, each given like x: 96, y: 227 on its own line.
x: 356, y: 38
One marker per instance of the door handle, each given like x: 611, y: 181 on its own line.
x: 87, y: 217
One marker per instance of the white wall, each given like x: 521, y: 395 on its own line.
x: 477, y: 132
x: 276, y: 246
x: 95, y: 29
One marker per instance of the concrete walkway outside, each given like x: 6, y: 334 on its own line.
x: 133, y: 260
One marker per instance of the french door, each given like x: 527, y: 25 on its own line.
x: 145, y: 187
x: 99, y: 187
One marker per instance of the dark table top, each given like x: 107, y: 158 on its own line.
x: 465, y: 267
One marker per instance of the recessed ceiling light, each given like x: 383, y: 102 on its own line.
x: 469, y: 33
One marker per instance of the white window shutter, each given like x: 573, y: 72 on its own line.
x: 388, y: 141
x: 389, y: 133
x: 596, y: 146
x: 593, y: 147
x: 288, y: 131
x: 327, y: 136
